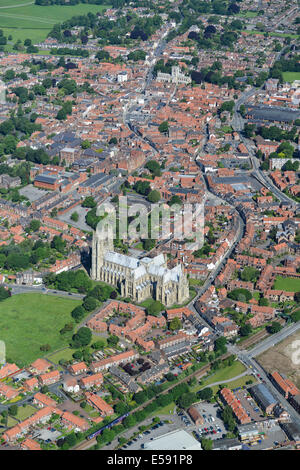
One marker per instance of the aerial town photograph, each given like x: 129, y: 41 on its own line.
x: 150, y: 227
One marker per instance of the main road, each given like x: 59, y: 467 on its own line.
x: 20, y: 289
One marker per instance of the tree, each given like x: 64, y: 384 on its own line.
x: 220, y: 345
x: 35, y: 225
x: 98, y: 345
x: 209, y: 31
x: 58, y: 244
x: 275, y: 327
x: 163, y: 127
x: 101, y: 293
x: 13, y: 410
x: 227, y: 106
x: 61, y: 115
x: 120, y: 408
x: 242, y: 295
x: 155, y: 308
x: 206, y: 444
x: 75, y: 216
x: 112, y: 340
x: 148, y: 244
x: 82, y: 337
x: 142, y: 187
x: 89, y: 202
x: 245, y: 330
x: 187, y: 399
x: 85, y: 144
x: 90, y: 303
x: 78, y: 313
x: 228, y: 418
x: 102, y: 55
x: 154, y: 167
x: 206, y: 394
x: 175, y: 324
x: 175, y: 200
x: 71, y: 439
x: 129, y: 421
x: 249, y: 274
x: 140, y: 397
x: 4, y: 293
x: 154, y: 196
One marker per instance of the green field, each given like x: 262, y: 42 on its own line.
x: 28, y: 321
x: 25, y: 411
x: 279, y: 35
x: 227, y: 373
x: 23, y: 19
x: 248, y: 14
x: 241, y: 382
x: 288, y: 284
x: 290, y: 76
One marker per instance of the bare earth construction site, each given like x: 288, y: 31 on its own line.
x: 279, y: 358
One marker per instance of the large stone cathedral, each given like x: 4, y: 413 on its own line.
x: 138, y: 279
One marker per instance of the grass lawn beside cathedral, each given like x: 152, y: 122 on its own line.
x: 28, y: 321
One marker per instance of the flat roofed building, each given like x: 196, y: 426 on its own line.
x: 175, y: 440
x: 227, y: 444
x: 248, y: 432
x: 292, y: 430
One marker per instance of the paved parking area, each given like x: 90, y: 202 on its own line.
x: 80, y: 224
x: 272, y: 438
x: 183, y: 421
x: 49, y: 435
x: 32, y: 192
x: 213, y: 422
x: 249, y: 405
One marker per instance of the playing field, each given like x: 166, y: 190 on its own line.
x: 28, y: 321
x: 290, y: 76
x: 24, y: 19
x: 288, y: 284
x: 248, y: 14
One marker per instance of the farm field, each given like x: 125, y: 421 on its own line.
x: 288, y: 284
x: 279, y: 358
x: 29, y: 321
x: 23, y: 19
